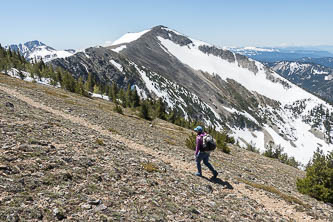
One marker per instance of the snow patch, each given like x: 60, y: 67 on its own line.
x: 129, y: 37
x: 117, y: 65
x: 118, y: 49
x: 29, y: 78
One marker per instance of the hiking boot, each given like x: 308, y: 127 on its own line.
x: 215, y: 174
x: 198, y: 174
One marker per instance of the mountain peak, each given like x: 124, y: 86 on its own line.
x: 159, y: 30
x: 33, y: 44
x: 35, y: 49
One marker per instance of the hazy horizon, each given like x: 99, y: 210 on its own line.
x: 80, y: 24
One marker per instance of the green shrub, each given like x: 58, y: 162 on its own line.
x: 190, y: 141
x: 118, y: 109
x: 276, y: 152
x: 252, y: 148
x: 318, y: 182
x: 144, y: 110
x: 221, y: 141
x: 224, y: 148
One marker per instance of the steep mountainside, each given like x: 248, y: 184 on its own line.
x: 36, y: 50
x: 67, y: 157
x: 222, y: 88
x: 313, y: 77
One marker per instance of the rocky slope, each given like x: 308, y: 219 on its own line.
x: 66, y: 157
x: 312, y: 77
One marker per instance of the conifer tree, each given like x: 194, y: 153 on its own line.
x: 114, y: 92
x: 89, y: 84
x: 97, y: 89
x: 21, y: 75
x: 144, y: 110
x: 160, y: 109
x: 172, y: 116
x: 68, y: 82
x: 135, y: 98
x: 128, y: 97
x: 110, y: 93
x: 122, y: 97
x: 80, y: 87
x: 318, y: 182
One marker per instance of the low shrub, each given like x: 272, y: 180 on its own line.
x: 118, y: 109
x: 318, y: 182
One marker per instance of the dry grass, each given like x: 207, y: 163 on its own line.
x: 113, y: 131
x: 100, y: 142
x: 150, y: 167
x: 55, y: 94
x: 170, y: 142
x: 287, y: 198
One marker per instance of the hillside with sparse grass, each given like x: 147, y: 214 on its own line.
x: 67, y: 157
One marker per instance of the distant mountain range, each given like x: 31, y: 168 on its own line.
x: 325, y: 61
x: 280, y: 54
x: 36, y: 50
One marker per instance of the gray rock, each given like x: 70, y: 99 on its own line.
x: 95, y: 202
x: 100, y: 207
x: 86, y: 206
x: 59, y: 214
x: 9, y: 105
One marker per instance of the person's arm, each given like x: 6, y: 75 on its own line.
x: 198, y: 143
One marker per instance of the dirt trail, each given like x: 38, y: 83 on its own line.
x: 271, y: 204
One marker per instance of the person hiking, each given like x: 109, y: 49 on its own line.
x: 201, y: 155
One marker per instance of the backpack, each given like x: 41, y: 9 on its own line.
x: 209, y: 143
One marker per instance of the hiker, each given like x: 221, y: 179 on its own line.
x: 202, y: 155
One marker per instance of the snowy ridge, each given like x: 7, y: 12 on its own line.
x: 129, y: 37
x: 36, y: 50
x: 44, y: 53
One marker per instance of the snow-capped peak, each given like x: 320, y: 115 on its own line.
x: 36, y: 50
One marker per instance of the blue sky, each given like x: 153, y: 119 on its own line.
x: 78, y: 24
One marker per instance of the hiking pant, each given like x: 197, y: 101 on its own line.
x: 203, y: 156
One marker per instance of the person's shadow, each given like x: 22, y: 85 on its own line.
x: 225, y: 184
